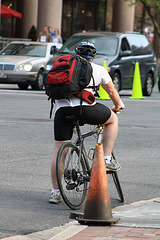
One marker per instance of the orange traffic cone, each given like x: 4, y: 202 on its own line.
x: 98, y: 208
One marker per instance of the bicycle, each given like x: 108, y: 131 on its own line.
x: 73, y: 167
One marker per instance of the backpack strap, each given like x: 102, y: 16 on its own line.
x: 52, y: 106
x: 85, y: 95
x: 94, y: 88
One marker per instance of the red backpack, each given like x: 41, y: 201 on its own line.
x: 68, y: 77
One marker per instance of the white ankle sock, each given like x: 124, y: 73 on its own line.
x: 108, y: 158
x: 55, y: 190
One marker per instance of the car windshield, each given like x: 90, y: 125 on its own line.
x: 104, y: 45
x: 25, y: 49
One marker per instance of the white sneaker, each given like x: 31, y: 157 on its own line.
x: 113, y: 166
x: 54, y: 197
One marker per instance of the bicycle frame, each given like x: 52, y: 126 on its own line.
x: 80, y: 142
x: 74, y: 183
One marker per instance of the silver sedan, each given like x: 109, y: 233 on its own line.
x: 23, y: 63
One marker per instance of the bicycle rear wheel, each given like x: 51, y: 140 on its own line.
x: 70, y: 176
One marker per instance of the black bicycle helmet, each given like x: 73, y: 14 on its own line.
x: 86, y: 49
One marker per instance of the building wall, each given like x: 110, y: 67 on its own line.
x: 123, y: 16
x: 38, y: 13
x: 49, y: 12
x: 30, y: 12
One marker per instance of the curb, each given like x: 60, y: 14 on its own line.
x: 141, y: 214
x: 63, y: 232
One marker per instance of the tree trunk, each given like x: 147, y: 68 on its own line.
x: 156, y: 41
x: 142, y: 19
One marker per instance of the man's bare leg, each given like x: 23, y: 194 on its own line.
x: 110, y: 134
x: 57, y: 145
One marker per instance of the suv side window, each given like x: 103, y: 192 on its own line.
x: 135, y: 44
x: 146, y: 47
x: 139, y: 45
x: 125, y: 45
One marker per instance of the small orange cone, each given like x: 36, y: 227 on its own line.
x: 98, y: 208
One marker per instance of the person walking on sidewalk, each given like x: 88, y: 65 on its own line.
x: 93, y: 114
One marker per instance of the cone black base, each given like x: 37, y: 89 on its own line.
x: 80, y: 218
x: 99, y: 222
x: 75, y: 215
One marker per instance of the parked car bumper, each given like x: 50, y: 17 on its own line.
x: 15, y: 78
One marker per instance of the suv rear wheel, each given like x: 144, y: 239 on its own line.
x: 116, y: 81
x: 148, y: 85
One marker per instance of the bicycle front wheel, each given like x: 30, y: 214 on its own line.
x: 70, y: 175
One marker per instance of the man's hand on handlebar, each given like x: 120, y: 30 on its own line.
x: 119, y: 108
x: 116, y: 110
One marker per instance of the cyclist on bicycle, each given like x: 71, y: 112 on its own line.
x: 93, y: 114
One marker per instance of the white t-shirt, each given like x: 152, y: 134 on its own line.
x: 43, y: 38
x: 100, y: 75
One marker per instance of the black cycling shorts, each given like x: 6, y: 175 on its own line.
x: 93, y: 115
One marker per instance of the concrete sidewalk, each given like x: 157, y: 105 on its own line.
x: 140, y: 220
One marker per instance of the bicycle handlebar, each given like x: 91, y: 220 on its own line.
x: 122, y: 107
x: 119, y: 109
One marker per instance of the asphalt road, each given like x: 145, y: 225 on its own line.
x: 26, y: 148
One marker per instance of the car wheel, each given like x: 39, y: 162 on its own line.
x: 116, y: 81
x: 23, y: 86
x: 148, y: 85
x: 39, y: 81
